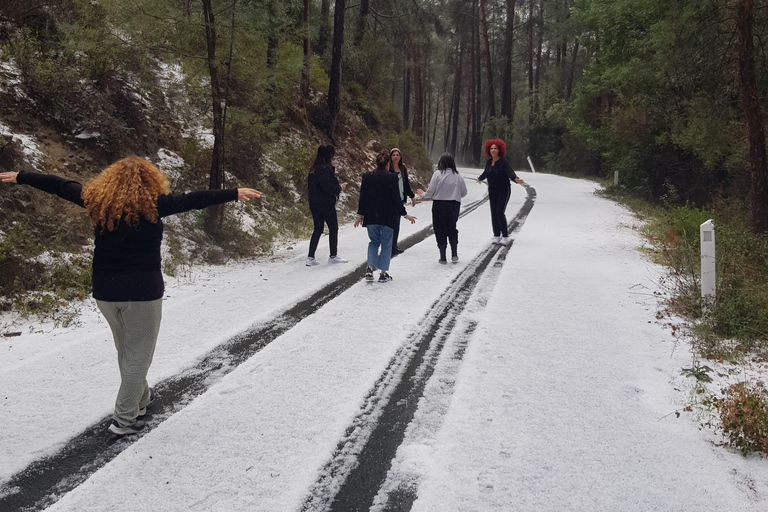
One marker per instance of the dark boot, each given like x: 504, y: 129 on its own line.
x: 454, y: 252
x: 442, y: 259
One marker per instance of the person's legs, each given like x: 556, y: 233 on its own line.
x: 493, y: 200
x: 504, y: 201
x: 333, y: 230
x: 452, y: 219
x: 318, y: 221
x: 135, y: 326
x: 439, y: 223
x: 395, y: 235
x: 374, y: 235
x: 386, y: 247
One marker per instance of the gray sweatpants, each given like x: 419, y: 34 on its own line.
x: 134, y: 325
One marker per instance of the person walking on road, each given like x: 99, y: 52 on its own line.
x: 446, y: 189
x: 378, y: 210
x: 404, y: 186
x: 323, y: 189
x: 126, y: 203
x: 499, y: 175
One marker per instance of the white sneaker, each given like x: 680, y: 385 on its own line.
x: 336, y: 259
x: 504, y: 240
x: 496, y: 240
x: 311, y: 262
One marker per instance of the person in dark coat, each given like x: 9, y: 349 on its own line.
x: 378, y: 210
x: 499, y: 175
x: 397, y: 166
x: 323, y: 189
x: 126, y: 203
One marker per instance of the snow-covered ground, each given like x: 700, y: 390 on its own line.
x: 562, y: 399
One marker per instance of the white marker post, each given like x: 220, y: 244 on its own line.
x: 531, y: 164
x: 708, y: 283
x: 615, y: 178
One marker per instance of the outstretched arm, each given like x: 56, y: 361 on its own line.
x: 66, y: 189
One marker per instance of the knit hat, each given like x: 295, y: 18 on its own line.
x: 393, y: 150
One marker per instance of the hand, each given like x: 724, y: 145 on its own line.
x: 8, y: 177
x: 343, y: 186
x: 419, y: 193
x: 478, y: 180
x: 519, y: 181
x: 358, y: 221
x: 246, y: 194
x: 413, y: 200
x: 410, y: 218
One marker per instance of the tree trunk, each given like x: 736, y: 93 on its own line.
x: 407, y: 96
x: 307, y: 53
x: 477, y: 121
x: 418, y: 93
x: 572, y: 72
x: 457, y: 101
x: 538, y: 62
x: 362, y: 22
x: 325, y: 27
x: 506, y: 83
x: 334, y: 87
x: 753, y: 115
x: 216, y: 178
x: 488, y: 67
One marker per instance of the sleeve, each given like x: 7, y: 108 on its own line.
x: 328, y: 181
x: 484, y: 175
x: 173, y: 204
x: 69, y: 190
x: 395, y: 192
x: 510, y: 172
x: 431, y: 188
x: 407, y: 191
x: 363, y: 197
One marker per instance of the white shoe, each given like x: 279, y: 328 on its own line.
x: 504, y: 240
x: 336, y: 259
x: 496, y: 240
x: 311, y: 262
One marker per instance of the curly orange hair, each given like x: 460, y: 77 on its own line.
x: 499, y: 144
x: 126, y: 191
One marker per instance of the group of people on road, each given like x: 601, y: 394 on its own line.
x: 384, y: 193
x: 127, y: 201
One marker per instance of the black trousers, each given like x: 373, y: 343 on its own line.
x: 396, y: 234
x: 445, y: 215
x: 321, y: 215
x: 498, y: 198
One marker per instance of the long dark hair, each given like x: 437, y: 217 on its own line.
x: 325, y: 153
x: 446, y: 162
x: 382, y: 159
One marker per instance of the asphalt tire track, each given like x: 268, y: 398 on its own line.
x: 357, y: 471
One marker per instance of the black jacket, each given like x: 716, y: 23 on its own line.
x: 380, y: 202
x: 322, y: 186
x: 407, y: 192
x: 126, y: 261
x: 499, y: 175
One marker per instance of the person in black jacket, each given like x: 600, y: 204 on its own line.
x: 323, y: 189
x: 126, y: 203
x: 378, y: 210
x: 499, y: 175
x: 397, y: 166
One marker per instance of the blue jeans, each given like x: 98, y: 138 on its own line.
x: 380, y: 236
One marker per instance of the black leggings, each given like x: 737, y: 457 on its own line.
x: 499, y: 197
x: 445, y: 215
x: 321, y: 215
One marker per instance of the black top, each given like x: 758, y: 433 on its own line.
x: 407, y: 192
x: 380, y: 202
x: 322, y: 186
x: 499, y: 175
x: 126, y: 261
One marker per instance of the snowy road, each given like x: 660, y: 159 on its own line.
x: 528, y: 378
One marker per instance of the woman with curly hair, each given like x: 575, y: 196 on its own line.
x: 126, y: 203
x: 499, y: 175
